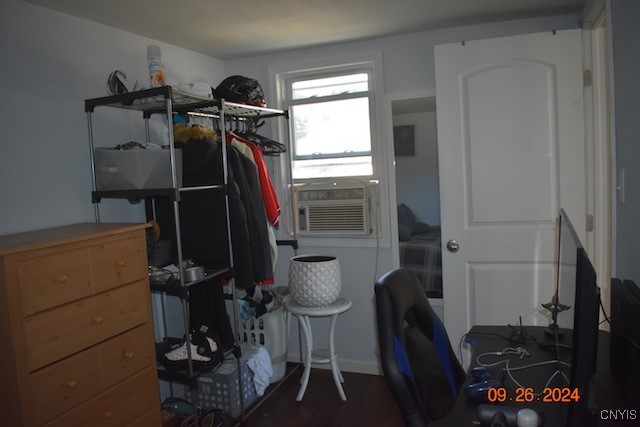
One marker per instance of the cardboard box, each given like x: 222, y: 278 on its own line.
x: 135, y: 169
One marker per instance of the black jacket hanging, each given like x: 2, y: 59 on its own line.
x: 245, y: 174
x: 203, y: 217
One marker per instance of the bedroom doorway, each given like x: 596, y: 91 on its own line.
x: 418, y: 191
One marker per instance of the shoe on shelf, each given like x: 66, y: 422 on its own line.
x: 204, y: 352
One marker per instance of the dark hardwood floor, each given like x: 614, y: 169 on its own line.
x: 369, y: 403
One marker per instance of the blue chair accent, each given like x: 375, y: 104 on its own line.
x: 441, y: 340
x: 401, y: 358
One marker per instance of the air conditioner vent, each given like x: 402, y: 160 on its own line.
x: 341, y: 217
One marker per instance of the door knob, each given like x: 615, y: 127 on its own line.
x: 453, y: 245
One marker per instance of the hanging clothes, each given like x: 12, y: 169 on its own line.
x: 245, y: 150
x: 270, y: 205
x: 269, y: 196
x: 203, y: 217
x: 251, y: 197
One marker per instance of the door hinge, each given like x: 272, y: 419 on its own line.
x: 587, y: 78
x: 589, y: 222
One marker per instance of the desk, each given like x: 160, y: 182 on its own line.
x: 603, y: 391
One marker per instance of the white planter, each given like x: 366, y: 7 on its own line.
x: 314, y: 280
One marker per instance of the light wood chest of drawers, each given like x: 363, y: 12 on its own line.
x: 76, y: 336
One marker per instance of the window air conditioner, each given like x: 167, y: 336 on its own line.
x: 332, y: 210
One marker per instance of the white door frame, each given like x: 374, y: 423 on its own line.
x: 598, y: 118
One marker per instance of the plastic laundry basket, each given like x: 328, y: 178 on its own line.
x: 270, y: 331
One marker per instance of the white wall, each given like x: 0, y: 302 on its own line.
x: 625, y: 34
x: 417, y: 183
x: 408, y: 69
x: 51, y: 63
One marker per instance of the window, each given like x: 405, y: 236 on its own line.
x: 331, y: 118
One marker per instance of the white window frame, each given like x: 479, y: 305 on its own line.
x: 370, y: 65
x: 278, y: 75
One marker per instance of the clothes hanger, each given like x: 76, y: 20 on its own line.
x: 270, y: 147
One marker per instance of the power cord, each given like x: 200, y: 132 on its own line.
x: 557, y: 372
x: 522, y: 353
x: 518, y: 351
x: 604, y: 313
x: 466, y: 338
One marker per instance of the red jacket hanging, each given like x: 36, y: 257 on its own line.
x: 269, y: 196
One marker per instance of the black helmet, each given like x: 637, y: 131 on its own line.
x: 241, y: 89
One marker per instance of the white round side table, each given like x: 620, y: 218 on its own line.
x: 303, y: 314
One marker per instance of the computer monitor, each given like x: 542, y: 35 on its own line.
x: 566, y: 264
x: 577, y: 288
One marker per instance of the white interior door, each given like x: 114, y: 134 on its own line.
x: 511, y: 154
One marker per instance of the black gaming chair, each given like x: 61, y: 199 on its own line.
x: 417, y: 359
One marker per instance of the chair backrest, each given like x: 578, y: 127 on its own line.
x: 419, y: 364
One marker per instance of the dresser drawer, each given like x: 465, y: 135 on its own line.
x: 119, y: 262
x: 62, y: 386
x: 52, y: 335
x: 126, y: 354
x: 53, y: 279
x: 119, y: 406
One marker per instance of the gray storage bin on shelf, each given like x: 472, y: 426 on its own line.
x: 135, y: 169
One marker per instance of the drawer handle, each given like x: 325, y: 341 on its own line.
x: 98, y: 320
x: 107, y: 415
x: 128, y: 354
x: 71, y: 384
x: 61, y: 279
x: 121, y: 263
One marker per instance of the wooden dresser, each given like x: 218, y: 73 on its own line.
x: 76, y: 335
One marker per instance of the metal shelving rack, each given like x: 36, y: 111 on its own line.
x: 167, y: 101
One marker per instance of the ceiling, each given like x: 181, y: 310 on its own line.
x: 228, y: 29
